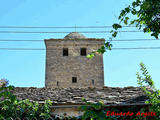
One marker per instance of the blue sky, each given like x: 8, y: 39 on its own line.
x: 27, y: 68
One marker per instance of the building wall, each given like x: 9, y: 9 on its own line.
x: 61, y: 68
x: 71, y: 111
x: 74, y: 111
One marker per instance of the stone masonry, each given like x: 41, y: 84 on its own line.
x: 73, y: 70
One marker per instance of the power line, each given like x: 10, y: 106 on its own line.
x: 38, y: 40
x: 138, y: 48
x: 131, y: 40
x: 63, y: 32
x: 22, y: 49
x: 60, y: 26
x: 21, y: 40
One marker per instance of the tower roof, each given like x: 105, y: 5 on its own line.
x: 73, y: 35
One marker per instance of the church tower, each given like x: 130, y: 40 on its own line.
x: 67, y: 64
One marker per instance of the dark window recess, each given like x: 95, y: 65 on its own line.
x: 74, y: 79
x: 92, y: 82
x: 57, y: 83
x: 83, y: 51
x: 65, y: 51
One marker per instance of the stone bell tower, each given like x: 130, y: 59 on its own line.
x: 67, y: 64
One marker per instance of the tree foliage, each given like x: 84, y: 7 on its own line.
x: 11, y: 107
x: 93, y: 111
x: 144, y: 14
x: 145, y: 81
x: 97, y: 111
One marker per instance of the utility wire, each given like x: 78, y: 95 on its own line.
x: 22, y: 49
x: 131, y: 40
x: 60, y: 27
x: 138, y: 48
x: 21, y: 40
x: 38, y: 40
x: 63, y: 32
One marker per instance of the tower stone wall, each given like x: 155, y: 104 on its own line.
x: 61, y: 70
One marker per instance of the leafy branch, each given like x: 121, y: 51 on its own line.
x: 145, y: 15
x: 145, y: 81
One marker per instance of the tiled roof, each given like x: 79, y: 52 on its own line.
x: 110, y: 95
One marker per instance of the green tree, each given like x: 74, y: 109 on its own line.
x: 93, y: 111
x: 11, y: 107
x: 144, y: 14
x: 145, y: 81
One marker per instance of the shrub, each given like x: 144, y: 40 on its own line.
x: 11, y: 107
x: 145, y: 81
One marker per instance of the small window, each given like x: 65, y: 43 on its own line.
x: 57, y: 83
x: 83, y: 52
x: 92, y: 82
x: 74, y: 79
x: 65, y: 51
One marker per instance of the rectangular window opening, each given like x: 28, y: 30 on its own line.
x: 74, y: 79
x: 83, y: 51
x: 57, y: 83
x: 92, y: 82
x: 65, y: 51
